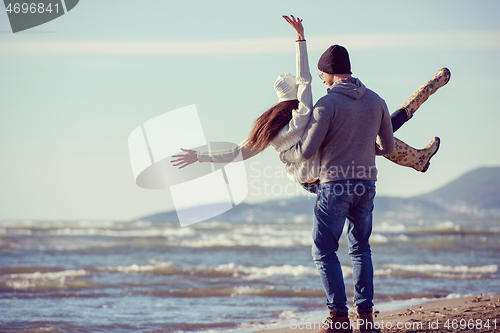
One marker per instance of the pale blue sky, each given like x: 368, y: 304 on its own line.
x: 74, y: 88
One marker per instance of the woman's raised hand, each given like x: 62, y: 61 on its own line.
x: 296, y: 23
x: 186, y: 159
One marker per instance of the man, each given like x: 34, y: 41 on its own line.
x: 349, y: 127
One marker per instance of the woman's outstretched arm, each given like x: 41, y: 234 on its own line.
x: 218, y: 156
x: 302, y: 115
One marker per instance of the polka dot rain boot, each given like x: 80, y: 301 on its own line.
x: 418, y: 159
x: 422, y: 94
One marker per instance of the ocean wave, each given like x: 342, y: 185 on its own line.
x: 439, y: 271
x: 270, y: 236
x: 147, y: 232
x: 117, y: 233
x: 450, y: 227
x: 261, y: 236
x: 52, y: 277
x: 214, y: 225
x: 46, y: 280
x: 378, y: 239
x: 224, y: 270
x: 69, y: 280
x: 160, y: 268
x: 254, y: 273
x: 58, y: 224
x: 270, y: 291
x: 389, y: 227
x: 91, y: 228
x: 49, y: 275
x: 43, y: 329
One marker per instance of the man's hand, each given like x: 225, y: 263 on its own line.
x: 296, y: 23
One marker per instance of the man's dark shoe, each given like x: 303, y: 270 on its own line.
x: 336, y: 323
x: 366, y: 323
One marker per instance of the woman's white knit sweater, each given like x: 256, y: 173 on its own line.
x: 289, y: 135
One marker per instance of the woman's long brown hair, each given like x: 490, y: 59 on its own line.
x: 270, y: 123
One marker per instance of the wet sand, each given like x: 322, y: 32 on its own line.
x: 468, y: 314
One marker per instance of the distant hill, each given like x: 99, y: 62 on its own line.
x: 294, y: 209
x: 474, y: 195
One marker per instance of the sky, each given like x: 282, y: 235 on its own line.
x: 73, y: 89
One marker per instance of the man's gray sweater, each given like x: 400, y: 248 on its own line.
x: 349, y: 127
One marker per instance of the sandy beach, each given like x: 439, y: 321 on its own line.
x: 467, y: 314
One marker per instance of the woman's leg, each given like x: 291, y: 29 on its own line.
x: 422, y: 94
x: 403, y: 154
x: 418, y: 159
x: 398, y: 118
x: 406, y: 111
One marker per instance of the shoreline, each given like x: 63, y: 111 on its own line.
x: 479, y: 313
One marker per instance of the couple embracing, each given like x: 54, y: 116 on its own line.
x: 330, y: 148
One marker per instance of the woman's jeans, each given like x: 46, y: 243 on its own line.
x: 338, y: 200
x: 398, y: 118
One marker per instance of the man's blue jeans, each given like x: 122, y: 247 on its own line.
x: 338, y: 200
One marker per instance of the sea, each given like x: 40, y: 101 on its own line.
x: 140, y: 276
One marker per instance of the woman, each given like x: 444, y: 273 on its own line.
x: 283, y: 124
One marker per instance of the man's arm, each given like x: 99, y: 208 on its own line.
x: 312, y: 139
x: 385, y: 138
